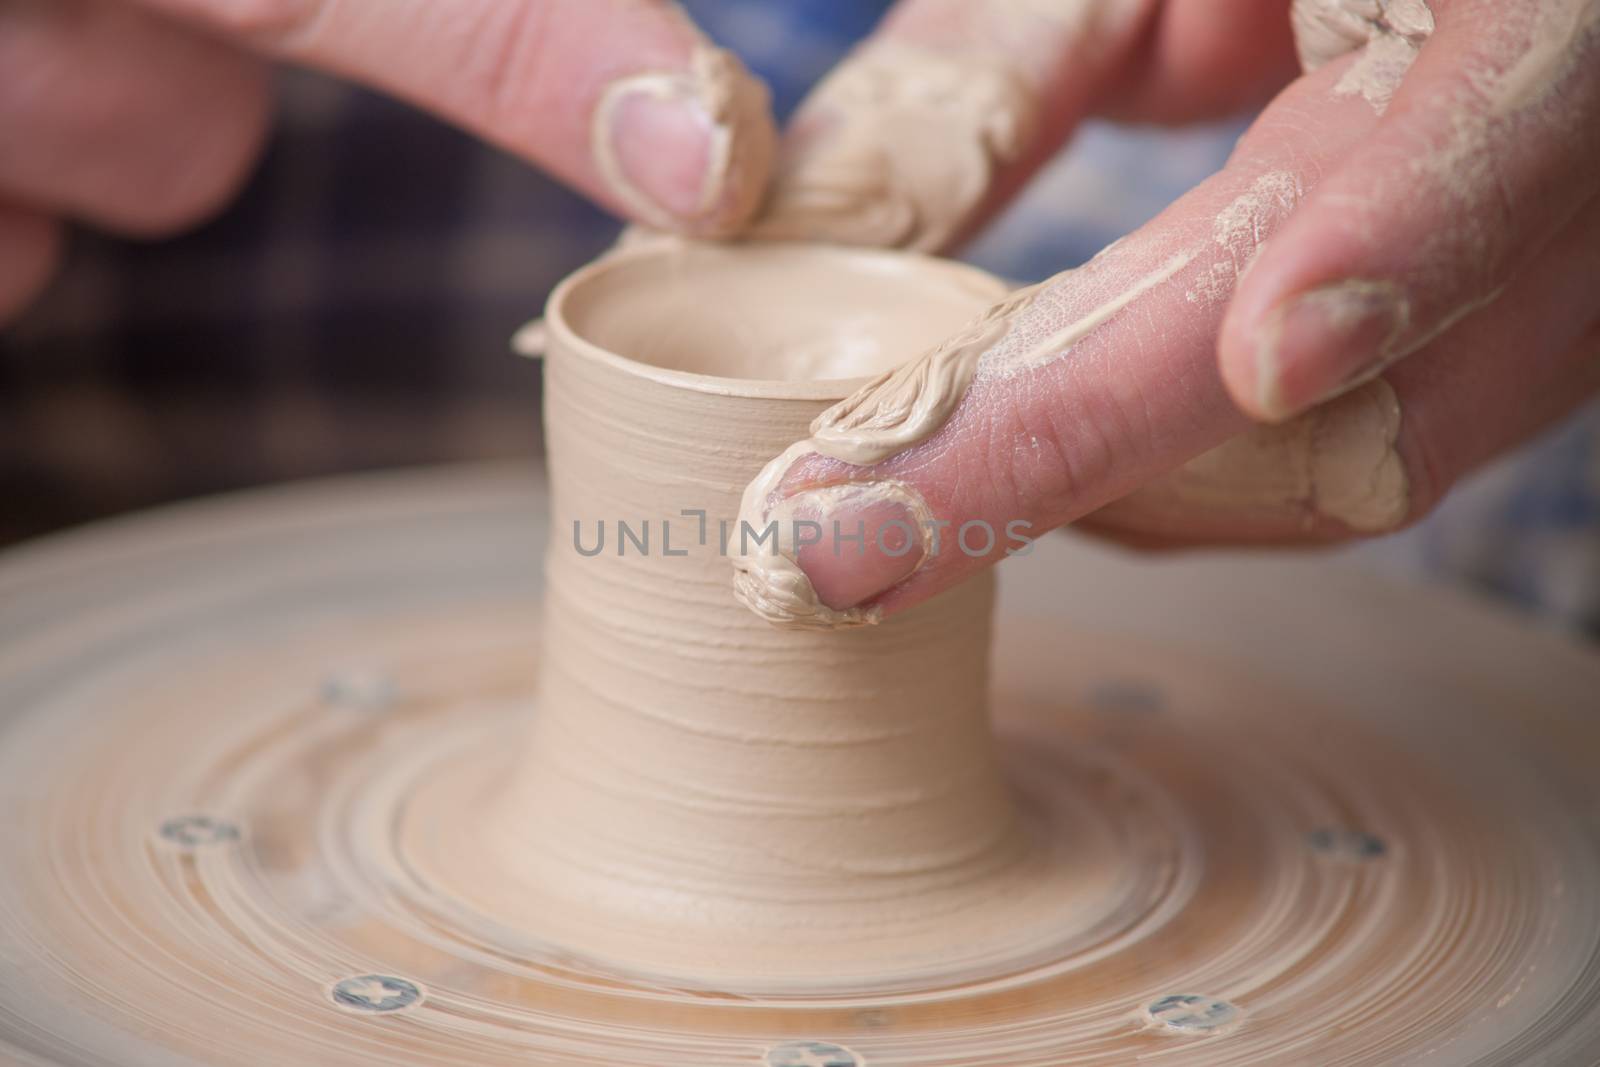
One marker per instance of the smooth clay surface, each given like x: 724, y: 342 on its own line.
x: 705, y: 793
x: 807, y: 316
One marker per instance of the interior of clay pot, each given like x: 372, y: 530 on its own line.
x: 774, y: 312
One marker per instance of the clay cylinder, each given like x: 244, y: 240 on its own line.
x: 702, y: 792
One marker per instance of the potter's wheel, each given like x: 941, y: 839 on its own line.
x: 1365, y: 820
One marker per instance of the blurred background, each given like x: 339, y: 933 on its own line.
x: 351, y: 311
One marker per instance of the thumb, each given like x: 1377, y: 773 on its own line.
x: 1064, y: 397
x: 627, y: 102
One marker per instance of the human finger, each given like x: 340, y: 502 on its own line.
x: 1064, y: 397
x: 30, y: 246
x: 625, y: 100
x: 941, y: 115
x: 123, y: 118
x: 1486, y: 151
x: 1337, y: 471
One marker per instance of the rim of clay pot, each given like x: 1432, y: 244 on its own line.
x: 974, y: 280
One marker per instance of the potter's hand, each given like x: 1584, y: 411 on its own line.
x: 1459, y: 229
x: 143, y: 116
x: 943, y: 114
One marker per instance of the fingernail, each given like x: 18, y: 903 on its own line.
x: 688, y: 149
x: 1325, y: 342
x: 856, y: 542
x: 661, y: 150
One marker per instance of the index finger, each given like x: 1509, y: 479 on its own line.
x: 1063, y: 397
x: 625, y: 100
x: 940, y: 117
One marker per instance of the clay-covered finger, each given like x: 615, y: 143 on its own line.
x: 625, y: 100
x: 1383, y: 455
x: 941, y: 114
x: 122, y: 118
x: 1516, y: 370
x: 1328, y: 475
x: 1064, y: 397
x: 1485, y: 152
x: 30, y: 246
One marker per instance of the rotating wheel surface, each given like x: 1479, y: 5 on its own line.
x: 1314, y: 818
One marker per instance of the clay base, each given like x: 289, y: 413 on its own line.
x: 236, y: 738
